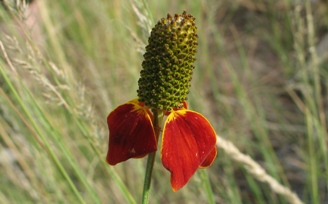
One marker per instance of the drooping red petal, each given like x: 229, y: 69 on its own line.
x: 210, y: 158
x: 131, y: 133
x: 188, y: 140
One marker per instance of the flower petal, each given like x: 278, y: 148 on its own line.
x: 131, y: 132
x: 210, y: 158
x: 188, y: 140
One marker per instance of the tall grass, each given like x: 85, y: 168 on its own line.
x: 260, y: 78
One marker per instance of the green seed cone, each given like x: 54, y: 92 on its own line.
x: 168, y: 62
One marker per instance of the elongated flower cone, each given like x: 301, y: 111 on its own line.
x: 168, y: 65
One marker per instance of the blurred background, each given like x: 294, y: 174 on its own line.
x: 260, y: 79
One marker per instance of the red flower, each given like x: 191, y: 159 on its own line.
x: 188, y: 140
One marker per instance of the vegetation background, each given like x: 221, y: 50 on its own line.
x: 260, y: 78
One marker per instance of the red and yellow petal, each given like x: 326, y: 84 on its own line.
x: 131, y: 132
x: 188, y: 143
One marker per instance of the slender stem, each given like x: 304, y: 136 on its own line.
x: 208, y: 188
x: 157, y: 122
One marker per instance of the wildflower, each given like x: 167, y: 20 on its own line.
x: 188, y: 139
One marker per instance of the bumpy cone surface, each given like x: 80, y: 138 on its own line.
x: 168, y: 62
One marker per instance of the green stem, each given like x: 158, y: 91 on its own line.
x: 208, y: 187
x: 157, y: 122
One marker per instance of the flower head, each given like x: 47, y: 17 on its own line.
x: 188, y: 139
x: 167, y: 69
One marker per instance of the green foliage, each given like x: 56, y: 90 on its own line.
x: 260, y: 78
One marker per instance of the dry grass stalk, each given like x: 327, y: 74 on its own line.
x: 256, y: 170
